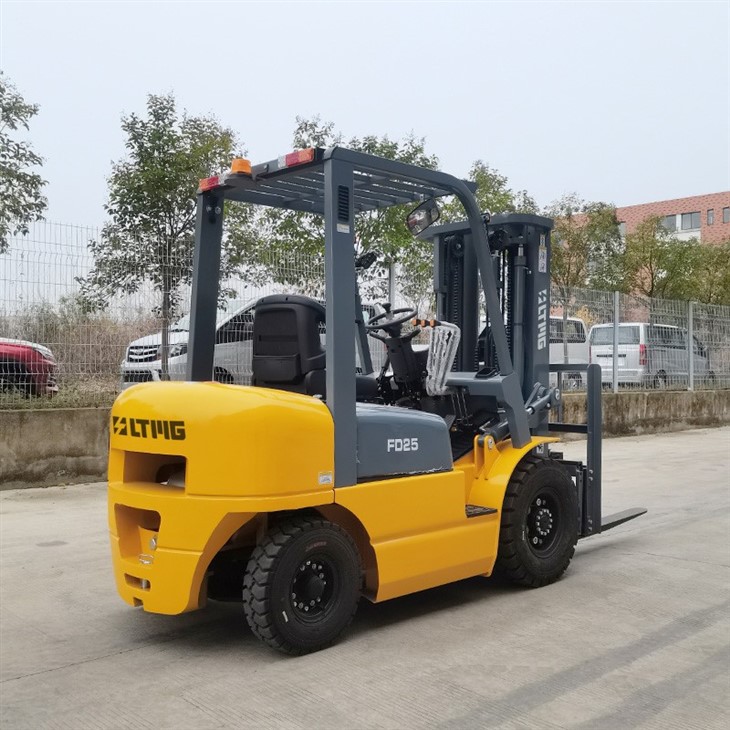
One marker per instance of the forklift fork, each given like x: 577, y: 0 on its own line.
x: 588, y: 476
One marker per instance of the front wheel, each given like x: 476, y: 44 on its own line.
x: 539, y: 528
x: 302, y: 585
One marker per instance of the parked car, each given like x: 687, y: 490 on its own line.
x: 233, y: 349
x: 27, y: 367
x: 649, y: 355
x: 577, y: 338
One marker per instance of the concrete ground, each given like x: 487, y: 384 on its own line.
x: 637, y: 634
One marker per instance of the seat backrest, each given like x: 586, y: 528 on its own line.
x: 286, y: 340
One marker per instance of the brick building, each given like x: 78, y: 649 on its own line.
x: 706, y: 217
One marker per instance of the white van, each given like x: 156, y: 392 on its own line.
x: 577, y: 339
x: 233, y: 349
x: 649, y: 355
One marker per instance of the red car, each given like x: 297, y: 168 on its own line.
x: 27, y: 367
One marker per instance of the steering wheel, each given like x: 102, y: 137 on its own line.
x: 395, y: 317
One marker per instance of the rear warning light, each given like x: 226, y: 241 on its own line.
x: 299, y: 157
x: 208, y: 183
x: 642, y: 355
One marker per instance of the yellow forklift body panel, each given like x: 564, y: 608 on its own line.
x: 237, y: 452
x: 418, y: 526
x: 419, y: 531
x: 240, y: 452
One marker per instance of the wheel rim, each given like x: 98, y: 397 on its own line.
x: 543, y: 523
x: 313, y: 590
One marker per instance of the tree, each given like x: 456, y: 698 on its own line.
x: 152, y: 204
x: 493, y: 194
x: 21, y: 198
x: 659, y: 265
x: 586, y: 250
x: 712, y: 274
x: 288, y: 246
x: 286, y: 240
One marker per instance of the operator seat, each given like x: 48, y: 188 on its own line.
x: 287, y: 347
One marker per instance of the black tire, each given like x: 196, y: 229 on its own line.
x: 539, y: 526
x: 14, y: 376
x: 302, y: 585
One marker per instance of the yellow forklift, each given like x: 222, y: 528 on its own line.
x: 320, y: 484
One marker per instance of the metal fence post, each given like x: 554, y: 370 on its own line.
x: 391, y: 284
x: 616, y: 319
x: 690, y: 345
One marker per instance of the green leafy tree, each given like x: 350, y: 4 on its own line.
x: 493, y: 194
x: 712, y: 276
x: 152, y: 204
x: 671, y: 268
x: 21, y: 197
x: 586, y: 251
x: 288, y: 246
x: 659, y: 265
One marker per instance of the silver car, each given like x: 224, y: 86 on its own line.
x: 649, y: 355
x: 233, y: 349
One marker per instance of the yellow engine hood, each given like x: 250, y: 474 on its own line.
x: 236, y: 441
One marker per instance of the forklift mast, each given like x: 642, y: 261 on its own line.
x: 520, y: 252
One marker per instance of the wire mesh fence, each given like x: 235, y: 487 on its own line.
x: 75, y: 333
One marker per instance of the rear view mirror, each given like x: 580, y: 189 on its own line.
x: 366, y: 260
x: 421, y: 218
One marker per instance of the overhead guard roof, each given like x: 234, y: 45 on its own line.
x: 378, y: 183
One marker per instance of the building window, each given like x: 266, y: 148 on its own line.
x: 669, y: 222
x: 710, y: 217
x: 726, y: 215
x: 690, y: 221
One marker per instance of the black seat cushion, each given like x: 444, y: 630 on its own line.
x: 286, y: 339
x: 287, y: 348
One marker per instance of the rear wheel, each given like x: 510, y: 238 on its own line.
x: 302, y: 585
x: 539, y: 527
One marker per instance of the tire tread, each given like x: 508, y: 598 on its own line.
x: 258, y: 577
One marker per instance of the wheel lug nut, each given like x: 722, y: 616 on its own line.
x: 311, y: 603
x: 306, y: 608
x: 321, y: 575
x: 534, y: 541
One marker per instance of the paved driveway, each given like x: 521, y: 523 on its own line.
x: 637, y: 634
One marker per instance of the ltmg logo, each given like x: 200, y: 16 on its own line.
x: 148, y: 428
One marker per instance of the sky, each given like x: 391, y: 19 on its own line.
x: 623, y: 102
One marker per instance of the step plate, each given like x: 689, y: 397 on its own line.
x: 474, y: 510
